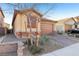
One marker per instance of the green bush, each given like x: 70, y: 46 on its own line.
x: 44, y: 39
x: 33, y: 49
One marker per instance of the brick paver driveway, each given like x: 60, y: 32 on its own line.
x: 63, y: 40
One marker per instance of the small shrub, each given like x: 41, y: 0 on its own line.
x: 33, y: 49
x: 44, y: 39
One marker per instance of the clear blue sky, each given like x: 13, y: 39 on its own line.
x: 58, y: 11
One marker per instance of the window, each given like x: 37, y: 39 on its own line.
x: 33, y: 20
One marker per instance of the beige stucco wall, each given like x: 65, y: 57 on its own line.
x: 23, y: 23
x: 68, y: 27
x: 17, y: 23
x: 20, y: 23
x: 1, y: 19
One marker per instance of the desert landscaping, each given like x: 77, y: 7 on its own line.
x: 31, y: 34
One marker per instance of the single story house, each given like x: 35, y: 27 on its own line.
x: 64, y: 25
x: 29, y: 18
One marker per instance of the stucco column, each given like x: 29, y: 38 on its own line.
x: 20, y: 49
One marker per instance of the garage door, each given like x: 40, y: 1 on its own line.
x: 46, y: 28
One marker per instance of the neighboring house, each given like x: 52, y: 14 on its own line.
x: 77, y: 21
x: 2, y: 29
x: 64, y: 25
x: 1, y: 18
x: 21, y: 25
x: 6, y: 25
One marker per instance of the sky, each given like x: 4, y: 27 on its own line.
x: 57, y: 11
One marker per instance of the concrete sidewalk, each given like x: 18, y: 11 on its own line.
x: 72, y: 50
